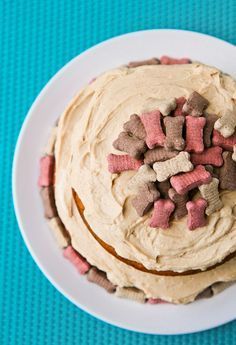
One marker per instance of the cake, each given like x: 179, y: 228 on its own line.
x: 114, y: 175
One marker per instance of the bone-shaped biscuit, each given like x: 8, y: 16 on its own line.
x: 152, y: 125
x: 99, y: 277
x: 47, y: 194
x: 208, y: 129
x: 47, y: 164
x: 76, y: 259
x: 212, y: 156
x: 59, y: 232
x: 174, y: 132
x: 166, y: 106
x: 130, y: 293
x: 144, y: 175
x: 179, y: 106
x: 180, y: 203
x: 167, y: 60
x: 161, y: 213
x: 226, y: 124
x: 147, y: 195
x: 226, y: 143
x: 173, y: 166
x: 184, y: 182
x: 210, y: 193
x: 196, y: 213
x: 234, y: 153
x: 153, y: 61
x: 133, y: 146
x: 119, y: 163
x: 158, y: 154
x: 195, y: 104
x: 194, y: 134
x: 227, y: 173
x: 135, y: 127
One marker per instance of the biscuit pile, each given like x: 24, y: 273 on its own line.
x: 178, y: 149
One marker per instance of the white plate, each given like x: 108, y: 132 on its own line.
x: 157, y: 319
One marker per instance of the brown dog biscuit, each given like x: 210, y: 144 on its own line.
x: 133, y: 146
x: 195, y: 105
x: 153, y: 61
x: 211, y: 194
x: 135, y: 127
x: 145, y: 199
x: 208, y: 129
x: 99, y: 277
x: 227, y: 173
x: 130, y: 293
x: 180, y: 203
x: 158, y: 154
x: 47, y: 194
x: 174, y: 133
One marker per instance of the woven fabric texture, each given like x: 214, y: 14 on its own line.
x: 37, y: 38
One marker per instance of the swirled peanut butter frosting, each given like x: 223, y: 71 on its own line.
x: 85, y: 135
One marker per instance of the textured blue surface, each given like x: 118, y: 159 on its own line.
x: 37, y: 38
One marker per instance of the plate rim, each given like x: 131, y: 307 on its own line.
x: 21, y: 134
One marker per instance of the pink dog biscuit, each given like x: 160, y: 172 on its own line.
x: 179, y: 108
x: 208, y: 129
x: 152, y: 124
x: 158, y: 154
x: 133, y: 146
x: 119, y: 163
x: 183, y: 183
x: 155, y: 301
x: 212, y: 156
x: 196, y: 213
x: 135, y: 127
x: 195, y: 105
x: 99, y: 277
x: 174, y: 133
x: 76, y: 259
x: 167, y: 60
x: 46, y: 171
x: 226, y: 143
x: 194, y: 134
x: 161, y: 213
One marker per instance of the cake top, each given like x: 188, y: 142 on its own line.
x: 86, y: 133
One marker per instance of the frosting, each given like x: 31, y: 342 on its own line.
x: 86, y: 131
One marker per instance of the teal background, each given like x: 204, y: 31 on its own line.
x: 36, y: 39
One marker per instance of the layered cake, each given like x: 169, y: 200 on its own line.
x: 139, y: 180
